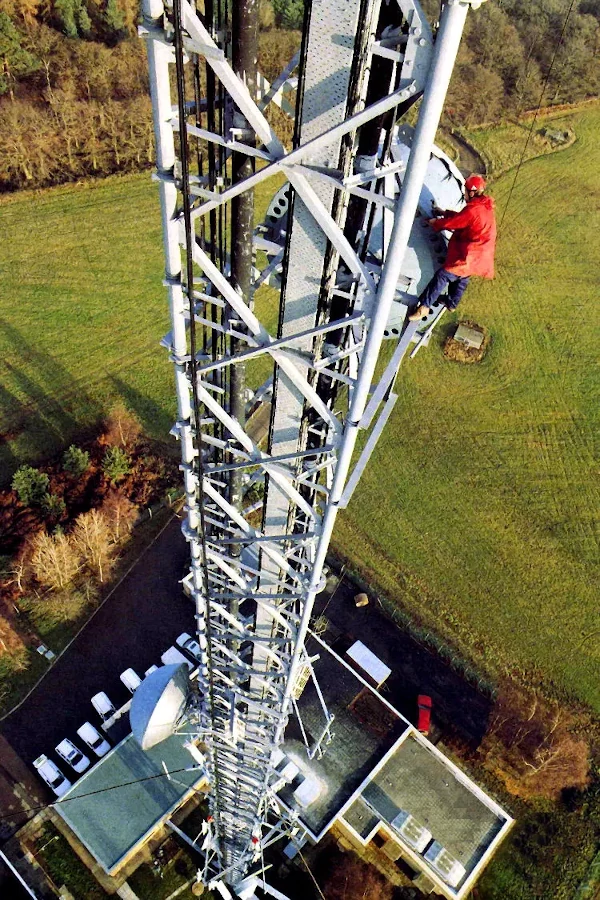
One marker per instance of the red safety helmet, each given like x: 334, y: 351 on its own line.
x: 475, y: 183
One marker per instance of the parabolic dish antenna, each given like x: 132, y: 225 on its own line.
x: 159, y: 704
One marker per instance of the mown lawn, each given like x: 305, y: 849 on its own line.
x: 478, y: 511
x: 82, y: 312
x: 502, y: 146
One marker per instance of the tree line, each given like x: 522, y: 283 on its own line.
x: 74, y: 96
x: 517, y: 55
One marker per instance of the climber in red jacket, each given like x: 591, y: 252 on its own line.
x: 470, y: 251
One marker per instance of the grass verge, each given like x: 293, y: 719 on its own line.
x: 477, y: 512
x: 64, y: 867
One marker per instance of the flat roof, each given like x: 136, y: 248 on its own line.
x: 417, y: 780
x: 365, y: 729
x: 377, y: 765
x: 121, y: 800
x: 362, y: 819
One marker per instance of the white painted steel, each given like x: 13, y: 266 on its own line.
x: 367, y: 451
x: 251, y: 659
x: 446, y: 48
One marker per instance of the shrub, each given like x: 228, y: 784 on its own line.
x: 116, y: 464
x: 289, y: 13
x: 530, y: 746
x: 266, y: 14
x: 31, y: 485
x: 75, y: 461
x: 350, y: 878
x: 53, y: 507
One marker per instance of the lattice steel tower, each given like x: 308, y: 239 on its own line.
x: 256, y: 568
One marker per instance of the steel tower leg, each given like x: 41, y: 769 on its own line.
x: 446, y: 48
x: 253, y: 664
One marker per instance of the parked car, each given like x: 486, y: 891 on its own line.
x: 93, y: 739
x: 150, y: 670
x: 187, y: 642
x: 103, y: 706
x: 69, y: 752
x: 131, y: 679
x: 173, y: 656
x: 52, y: 775
x: 424, y: 720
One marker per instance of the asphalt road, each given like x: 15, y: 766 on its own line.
x: 144, y: 615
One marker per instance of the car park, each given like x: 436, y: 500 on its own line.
x: 94, y: 740
x: 103, y: 706
x: 424, y: 707
x: 71, y: 755
x: 187, y: 643
x: 52, y: 775
x: 130, y: 679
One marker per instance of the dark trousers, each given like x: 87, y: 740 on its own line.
x: 442, y: 279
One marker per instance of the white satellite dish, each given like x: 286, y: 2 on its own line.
x: 159, y: 704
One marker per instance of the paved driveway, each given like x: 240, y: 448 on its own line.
x: 141, y: 619
x: 147, y: 612
x: 457, y: 705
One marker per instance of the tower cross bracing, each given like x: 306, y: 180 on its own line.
x: 254, y: 577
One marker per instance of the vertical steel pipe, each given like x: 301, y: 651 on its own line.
x: 444, y: 56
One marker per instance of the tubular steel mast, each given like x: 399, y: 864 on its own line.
x: 362, y: 65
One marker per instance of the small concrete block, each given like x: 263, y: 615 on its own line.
x: 392, y: 850
x: 361, y: 600
x: 472, y: 337
x: 424, y: 883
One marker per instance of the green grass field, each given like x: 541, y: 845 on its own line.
x: 82, y: 312
x: 503, y: 145
x: 477, y: 510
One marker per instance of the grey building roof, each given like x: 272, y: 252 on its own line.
x: 121, y: 800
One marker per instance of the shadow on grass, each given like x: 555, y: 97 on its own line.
x: 44, y: 422
x: 156, y: 420
x: 11, y: 426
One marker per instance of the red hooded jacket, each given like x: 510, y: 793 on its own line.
x: 471, y: 247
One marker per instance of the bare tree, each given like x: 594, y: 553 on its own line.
x: 122, y: 427
x: 55, y: 560
x: 530, y: 746
x: 120, y: 514
x: 352, y: 879
x: 92, y: 538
